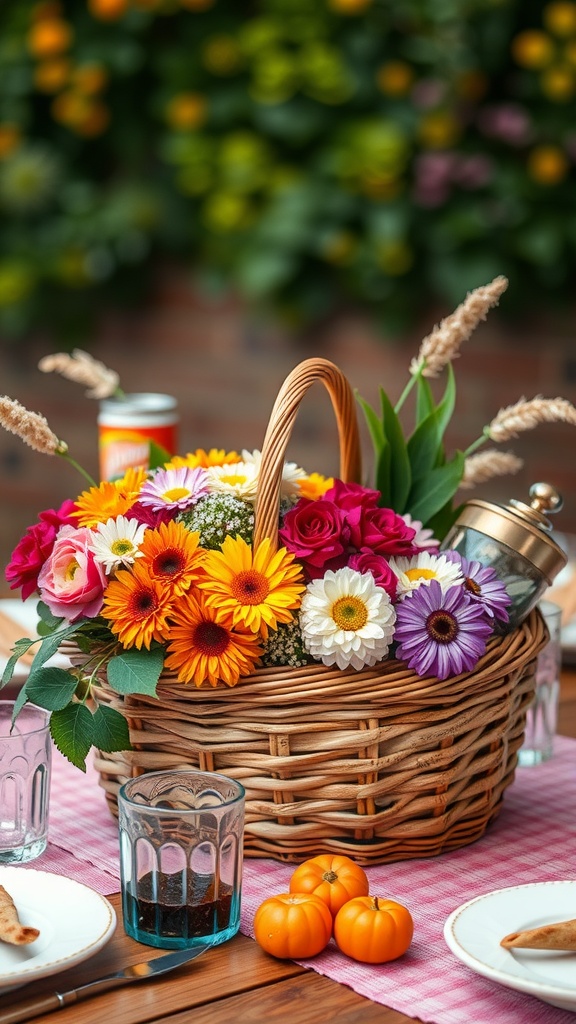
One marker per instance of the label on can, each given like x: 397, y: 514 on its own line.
x: 126, y: 426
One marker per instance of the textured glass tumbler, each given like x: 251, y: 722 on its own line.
x: 25, y: 762
x: 542, y: 715
x: 181, y: 849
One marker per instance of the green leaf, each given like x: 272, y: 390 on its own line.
x: 136, y: 671
x: 20, y: 701
x: 400, y: 471
x: 444, y: 520
x: 110, y: 729
x: 425, y: 445
x: 374, y: 425
x: 157, y: 455
x: 51, y: 688
x: 47, y: 618
x: 448, y: 401
x: 382, y: 476
x: 431, y: 492
x: 50, y: 644
x: 20, y: 648
x: 425, y: 403
x: 72, y: 729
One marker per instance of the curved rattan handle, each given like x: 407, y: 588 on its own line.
x: 279, y: 431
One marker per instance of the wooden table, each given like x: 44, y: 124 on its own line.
x: 236, y: 982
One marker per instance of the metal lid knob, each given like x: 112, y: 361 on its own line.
x: 544, y: 498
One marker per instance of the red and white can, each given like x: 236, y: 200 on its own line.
x: 127, y: 425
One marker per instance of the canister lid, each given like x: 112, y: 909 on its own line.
x: 523, y: 528
x: 143, y: 408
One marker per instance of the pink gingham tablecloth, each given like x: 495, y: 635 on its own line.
x: 533, y: 840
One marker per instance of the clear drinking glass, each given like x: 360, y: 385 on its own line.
x: 25, y: 764
x: 181, y: 848
x: 542, y: 715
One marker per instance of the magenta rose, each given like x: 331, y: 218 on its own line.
x: 149, y: 516
x: 367, y: 561
x: 317, y: 534
x: 36, y: 545
x: 72, y: 582
x: 382, y: 531
x: 351, y: 496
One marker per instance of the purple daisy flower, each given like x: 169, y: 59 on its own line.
x: 484, y: 586
x: 174, y: 488
x: 441, y: 634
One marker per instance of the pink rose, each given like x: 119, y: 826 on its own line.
x: 366, y: 561
x: 382, y: 531
x: 72, y: 582
x: 36, y: 545
x: 317, y: 534
x: 151, y: 517
x: 351, y: 496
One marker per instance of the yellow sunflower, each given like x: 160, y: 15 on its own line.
x: 172, y: 556
x: 110, y: 499
x: 202, y: 458
x: 136, y: 607
x: 259, y: 588
x: 205, y: 646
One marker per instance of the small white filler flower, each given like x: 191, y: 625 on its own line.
x: 346, y: 620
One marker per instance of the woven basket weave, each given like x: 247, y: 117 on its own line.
x: 378, y: 764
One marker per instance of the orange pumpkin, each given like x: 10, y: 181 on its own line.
x: 373, y: 930
x: 335, y: 879
x: 293, y: 925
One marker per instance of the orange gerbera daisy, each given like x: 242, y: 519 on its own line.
x: 205, y: 646
x: 202, y: 458
x: 136, y: 607
x: 258, y: 587
x: 172, y: 556
x: 314, y: 485
x: 110, y: 499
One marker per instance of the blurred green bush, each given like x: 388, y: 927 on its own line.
x: 303, y: 153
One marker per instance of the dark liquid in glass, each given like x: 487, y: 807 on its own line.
x: 167, y: 915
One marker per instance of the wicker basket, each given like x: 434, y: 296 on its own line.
x: 378, y: 764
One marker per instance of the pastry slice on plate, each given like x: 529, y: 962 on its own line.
x: 11, y: 929
x: 560, y: 935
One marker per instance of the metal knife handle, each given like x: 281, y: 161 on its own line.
x: 32, y: 1008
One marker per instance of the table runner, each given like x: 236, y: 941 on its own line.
x: 533, y: 840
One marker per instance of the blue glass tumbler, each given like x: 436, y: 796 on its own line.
x: 181, y: 849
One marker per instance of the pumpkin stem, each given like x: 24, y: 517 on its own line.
x: 329, y: 876
x: 375, y: 904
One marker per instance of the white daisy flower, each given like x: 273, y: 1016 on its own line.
x: 116, y: 542
x: 237, y: 478
x: 346, y: 620
x: 292, y: 473
x: 418, y: 570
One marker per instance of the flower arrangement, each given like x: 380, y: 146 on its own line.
x: 295, y: 150
x: 160, y: 570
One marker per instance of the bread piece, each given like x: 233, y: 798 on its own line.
x: 10, y: 928
x: 560, y: 935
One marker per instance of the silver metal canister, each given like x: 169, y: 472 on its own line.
x: 515, y: 540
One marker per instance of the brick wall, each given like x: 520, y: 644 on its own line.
x: 225, y: 368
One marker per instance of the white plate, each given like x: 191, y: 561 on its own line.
x: 73, y: 920
x: 473, y: 932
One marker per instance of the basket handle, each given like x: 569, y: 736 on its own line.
x: 279, y: 431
